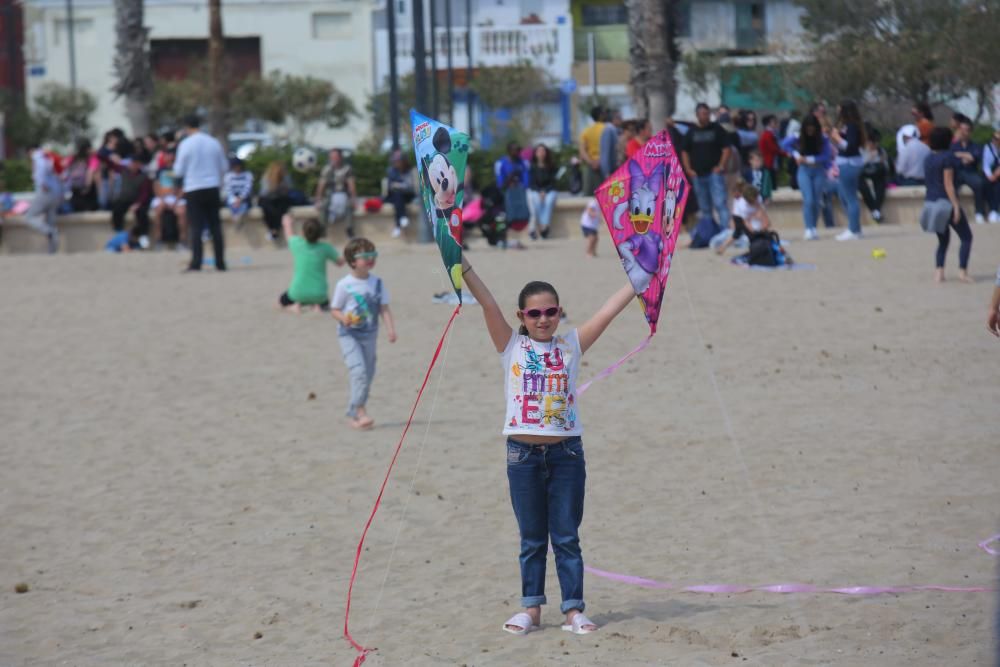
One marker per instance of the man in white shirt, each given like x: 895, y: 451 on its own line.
x: 201, y: 163
x: 910, y: 161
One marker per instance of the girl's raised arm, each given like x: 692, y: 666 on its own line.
x: 592, y: 329
x: 499, y: 330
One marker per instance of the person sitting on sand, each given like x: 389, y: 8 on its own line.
x: 309, y: 286
x: 749, y: 215
x: 358, y: 300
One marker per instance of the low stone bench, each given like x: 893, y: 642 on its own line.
x: 89, y: 232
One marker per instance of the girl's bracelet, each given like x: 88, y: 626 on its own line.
x: 464, y: 271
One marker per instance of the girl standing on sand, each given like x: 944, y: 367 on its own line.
x: 942, y: 210
x: 545, y: 462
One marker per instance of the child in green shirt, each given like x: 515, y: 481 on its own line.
x: 309, y: 286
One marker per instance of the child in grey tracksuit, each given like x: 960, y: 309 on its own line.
x: 358, y: 300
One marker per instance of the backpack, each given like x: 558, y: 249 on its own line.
x: 766, y: 250
x: 703, y: 232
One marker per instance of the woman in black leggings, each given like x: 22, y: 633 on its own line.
x: 942, y: 210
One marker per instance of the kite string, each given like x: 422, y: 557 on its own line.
x: 362, y: 650
x: 413, y: 479
x: 615, y: 366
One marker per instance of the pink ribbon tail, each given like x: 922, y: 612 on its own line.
x: 985, y: 545
x: 615, y: 366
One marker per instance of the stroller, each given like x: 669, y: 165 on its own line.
x: 487, y: 213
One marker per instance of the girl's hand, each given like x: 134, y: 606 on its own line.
x: 956, y: 214
x: 392, y: 336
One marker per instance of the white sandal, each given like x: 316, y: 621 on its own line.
x: 522, y: 621
x: 576, y: 626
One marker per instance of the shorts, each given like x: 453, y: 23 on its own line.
x: 169, y: 201
x: 519, y: 225
x: 588, y: 231
x: 286, y: 301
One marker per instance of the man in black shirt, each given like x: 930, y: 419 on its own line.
x: 706, y: 151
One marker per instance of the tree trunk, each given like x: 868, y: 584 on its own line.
x: 131, y: 64
x: 217, y: 115
x: 653, y: 54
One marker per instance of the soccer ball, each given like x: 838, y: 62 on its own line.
x: 303, y: 160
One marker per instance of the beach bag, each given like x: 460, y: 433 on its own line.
x: 936, y: 216
x: 703, y: 232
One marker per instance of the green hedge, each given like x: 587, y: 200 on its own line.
x: 16, y: 176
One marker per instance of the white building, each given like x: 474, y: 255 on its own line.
x: 328, y: 39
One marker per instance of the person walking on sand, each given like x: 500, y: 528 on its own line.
x: 41, y: 213
x: 942, y: 210
x: 201, y: 164
x: 358, y: 300
x: 546, y: 470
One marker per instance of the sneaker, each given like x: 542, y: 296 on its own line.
x: 144, y: 242
x: 994, y: 218
x: 397, y: 232
x: 404, y: 222
x: 350, y: 232
x: 847, y: 235
x: 980, y: 220
x: 533, y: 235
x: 877, y: 215
x: 811, y: 235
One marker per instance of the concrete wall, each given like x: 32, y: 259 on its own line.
x: 88, y: 232
x: 297, y: 37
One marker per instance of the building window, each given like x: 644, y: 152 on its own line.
x: 592, y: 15
x: 331, y: 25
x: 83, y: 29
x: 751, y: 26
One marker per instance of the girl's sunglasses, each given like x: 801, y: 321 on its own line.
x: 367, y: 255
x: 535, y: 313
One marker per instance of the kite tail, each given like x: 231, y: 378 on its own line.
x: 615, y: 366
x: 363, y: 651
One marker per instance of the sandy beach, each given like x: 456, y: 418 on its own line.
x: 176, y: 476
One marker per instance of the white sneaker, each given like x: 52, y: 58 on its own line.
x: 877, y: 215
x: 811, y: 235
x: 847, y: 235
x: 404, y: 222
x: 980, y: 220
x: 144, y: 242
x: 396, y: 232
x: 994, y: 217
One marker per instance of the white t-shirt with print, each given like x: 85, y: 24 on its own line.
x: 749, y: 212
x: 362, y: 298
x: 540, y: 385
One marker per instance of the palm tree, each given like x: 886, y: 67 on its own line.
x: 217, y: 113
x: 653, y: 54
x: 131, y: 64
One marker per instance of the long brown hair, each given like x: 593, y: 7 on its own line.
x: 274, y: 176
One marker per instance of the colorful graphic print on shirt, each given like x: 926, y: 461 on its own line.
x: 540, y: 384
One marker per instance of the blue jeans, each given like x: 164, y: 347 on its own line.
x: 813, y: 185
x: 541, y: 204
x: 847, y: 189
x: 711, y: 192
x: 359, y: 356
x: 546, y: 490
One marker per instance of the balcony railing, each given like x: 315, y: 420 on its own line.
x: 610, y: 42
x: 549, y: 47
